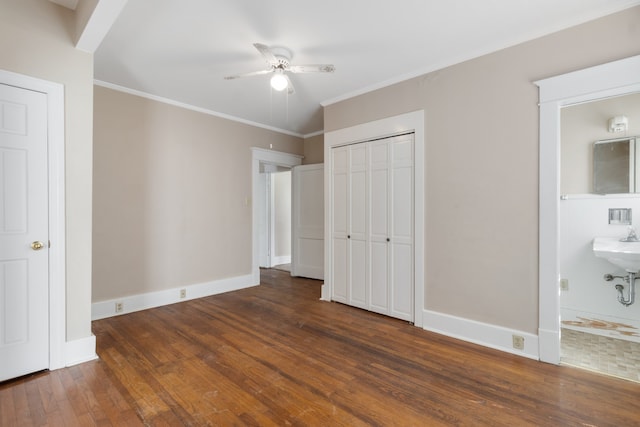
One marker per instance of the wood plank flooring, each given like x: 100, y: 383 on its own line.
x: 275, y: 355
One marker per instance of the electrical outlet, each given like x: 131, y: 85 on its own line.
x: 518, y: 342
x: 119, y: 307
x: 183, y: 293
x: 564, y: 284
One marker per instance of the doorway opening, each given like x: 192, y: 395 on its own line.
x: 598, y: 333
x: 599, y: 82
x: 265, y: 160
x: 275, y: 216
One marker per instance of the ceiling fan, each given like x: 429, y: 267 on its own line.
x: 279, y: 59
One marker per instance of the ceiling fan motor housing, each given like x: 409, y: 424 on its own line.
x: 283, y: 55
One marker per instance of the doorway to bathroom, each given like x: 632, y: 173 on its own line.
x: 607, y: 81
x: 599, y: 321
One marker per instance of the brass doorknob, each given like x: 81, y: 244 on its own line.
x: 36, y: 246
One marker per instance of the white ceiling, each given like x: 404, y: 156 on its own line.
x: 180, y: 50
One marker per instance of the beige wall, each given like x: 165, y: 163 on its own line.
x: 481, y: 138
x: 282, y: 214
x: 36, y: 39
x: 172, y: 191
x: 584, y: 124
x: 313, y: 150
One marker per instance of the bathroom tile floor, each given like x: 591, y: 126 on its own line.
x: 597, y: 353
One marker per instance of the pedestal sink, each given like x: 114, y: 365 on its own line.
x: 625, y: 255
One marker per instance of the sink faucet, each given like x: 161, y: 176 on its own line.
x: 631, y: 237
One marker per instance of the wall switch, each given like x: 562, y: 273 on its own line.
x: 119, y: 307
x: 183, y: 293
x: 518, y: 342
x: 564, y: 284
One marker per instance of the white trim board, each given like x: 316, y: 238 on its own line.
x: 80, y: 351
x: 57, y: 234
x: 493, y: 336
x: 282, y: 259
x: 599, y: 82
x: 132, y: 303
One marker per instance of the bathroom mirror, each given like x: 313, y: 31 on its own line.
x: 614, y: 166
x: 584, y: 123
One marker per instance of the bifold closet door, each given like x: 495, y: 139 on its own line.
x: 373, y: 225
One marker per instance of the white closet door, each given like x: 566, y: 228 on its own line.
x: 358, y: 225
x: 379, y: 233
x: 402, y: 223
x: 340, y: 206
x: 373, y: 225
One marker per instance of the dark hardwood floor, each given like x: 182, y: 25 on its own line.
x: 275, y: 355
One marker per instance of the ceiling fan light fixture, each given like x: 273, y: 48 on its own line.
x: 279, y: 81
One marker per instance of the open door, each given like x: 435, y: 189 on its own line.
x: 307, y: 254
x: 24, y: 232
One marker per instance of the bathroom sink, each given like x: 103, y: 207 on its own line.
x: 622, y: 254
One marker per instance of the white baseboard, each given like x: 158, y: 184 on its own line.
x: 104, y: 309
x: 484, y: 334
x: 279, y: 260
x: 80, y: 351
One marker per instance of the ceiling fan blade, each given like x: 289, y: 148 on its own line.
x: 266, y: 53
x: 290, y: 89
x: 317, y: 68
x: 254, y: 73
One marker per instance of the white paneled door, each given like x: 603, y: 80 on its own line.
x: 307, y: 254
x: 24, y: 263
x: 372, y: 208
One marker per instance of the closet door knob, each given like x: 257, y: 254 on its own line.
x: 348, y: 236
x: 388, y: 239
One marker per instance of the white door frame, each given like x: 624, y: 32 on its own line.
x: 613, y: 79
x: 57, y: 272
x: 413, y: 121
x: 278, y: 158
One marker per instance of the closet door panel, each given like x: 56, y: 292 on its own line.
x: 401, y: 248
x: 379, y: 229
x: 379, y: 277
x: 340, y: 195
x: 340, y: 208
x: 358, y: 278
x: 357, y: 235
x: 402, y: 206
x: 340, y: 270
x: 402, y: 279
